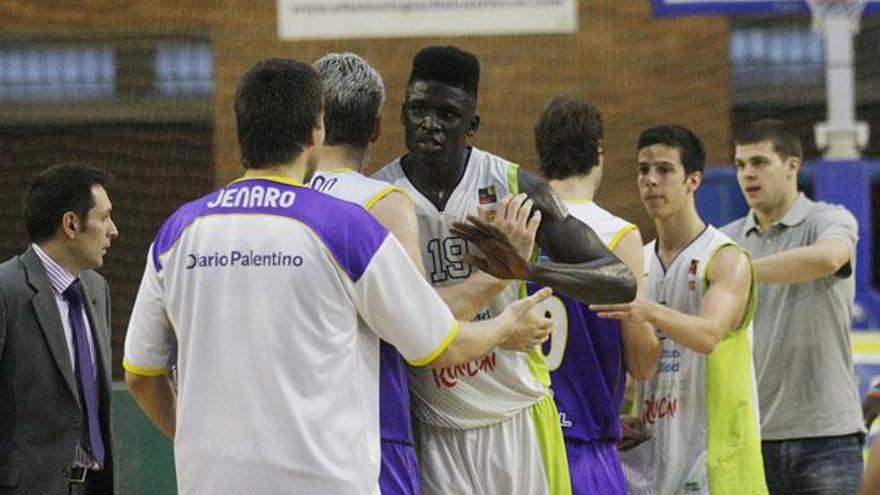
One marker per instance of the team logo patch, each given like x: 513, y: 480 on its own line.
x: 692, y: 275
x: 488, y: 195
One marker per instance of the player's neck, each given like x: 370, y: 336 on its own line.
x: 675, y: 232
x: 772, y: 214
x: 295, y: 170
x: 436, y: 179
x: 575, y: 188
x: 343, y: 156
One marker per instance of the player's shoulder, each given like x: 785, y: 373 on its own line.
x: 389, y: 172
x: 723, y: 250
x: 487, y: 158
x: 820, y: 211
x: 736, y: 228
x: 346, y: 175
x: 591, y: 210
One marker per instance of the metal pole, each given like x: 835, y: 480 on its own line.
x: 841, y: 136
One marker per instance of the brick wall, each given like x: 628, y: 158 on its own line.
x: 640, y: 71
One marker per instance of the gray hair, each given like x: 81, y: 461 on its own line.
x: 353, y: 97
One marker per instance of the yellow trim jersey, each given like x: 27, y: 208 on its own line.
x: 702, y: 410
x: 257, y: 293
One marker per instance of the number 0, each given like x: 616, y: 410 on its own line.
x: 555, y: 308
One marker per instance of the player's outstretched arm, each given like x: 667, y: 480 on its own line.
x: 585, y: 269
x: 517, y: 328
x: 641, y: 349
x: 155, y: 396
x: 723, y: 308
x: 605, y: 280
x: 396, y: 213
x: 824, y: 258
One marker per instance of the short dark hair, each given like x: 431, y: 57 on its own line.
x: 449, y: 65
x: 353, y: 98
x: 568, y: 135
x: 54, y: 192
x: 277, y: 104
x: 693, y: 155
x: 785, y: 142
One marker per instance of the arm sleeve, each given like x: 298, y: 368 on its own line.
x: 839, y: 224
x: 401, y: 307
x: 150, y: 344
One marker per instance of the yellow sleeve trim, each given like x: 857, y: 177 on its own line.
x: 513, y: 179
x: 381, y: 194
x: 619, y: 235
x: 752, y: 303
x: 138, y: 370
x: 440, y: 348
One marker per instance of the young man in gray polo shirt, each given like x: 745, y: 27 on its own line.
x: 804, y: 255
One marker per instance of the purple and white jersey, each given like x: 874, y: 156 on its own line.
x: 394, y: 412
x: 257, y: 291
x: 584, y: 353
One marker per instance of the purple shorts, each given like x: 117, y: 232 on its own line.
x: 400, y: 470
x: 595, y: 467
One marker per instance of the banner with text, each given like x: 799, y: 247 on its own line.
x: 323, y: 19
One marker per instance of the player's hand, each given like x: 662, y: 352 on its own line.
x: 502, y: 259
x: 514, y: 217
x: 636, y: 311
x: 634, y: 433
x: 870, y: 409
x: 526, y: 328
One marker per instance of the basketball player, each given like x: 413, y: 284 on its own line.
x: 588, y: 357
x: 257, y: 293
x: 353, y: 100
x: 701, y: 299
x: 491, y: 426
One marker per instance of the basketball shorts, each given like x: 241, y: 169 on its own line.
x: 400, y: 471
x: 595, y: 467
x: 525, y: 454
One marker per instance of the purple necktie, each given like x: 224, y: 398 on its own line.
x: 91, y: 440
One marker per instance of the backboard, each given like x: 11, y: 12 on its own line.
x: 665, y: 8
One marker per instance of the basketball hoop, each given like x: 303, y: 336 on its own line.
x: 849, y: 10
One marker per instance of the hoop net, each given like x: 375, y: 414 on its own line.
x: 848, y: 9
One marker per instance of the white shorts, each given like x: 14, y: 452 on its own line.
x: 523, y: 455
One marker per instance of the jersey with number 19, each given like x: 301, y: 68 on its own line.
x: 497, y: 386
x: 256, y: 291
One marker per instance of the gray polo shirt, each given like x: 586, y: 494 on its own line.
x: 803, y: 359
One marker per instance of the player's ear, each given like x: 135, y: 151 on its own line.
x: 693, y: 181
x: 475, y: 124
x: 792, y: 166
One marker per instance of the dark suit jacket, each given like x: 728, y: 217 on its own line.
x: 40, y: 414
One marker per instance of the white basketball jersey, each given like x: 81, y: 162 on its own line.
x: 608, y: 227
x: 691, y: 391
x: 496, y: 386
x: 346, y: 184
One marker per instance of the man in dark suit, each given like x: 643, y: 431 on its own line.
x: 55, y: 341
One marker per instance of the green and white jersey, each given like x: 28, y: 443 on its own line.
x: 702, y: 410
x: 501, y: 384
